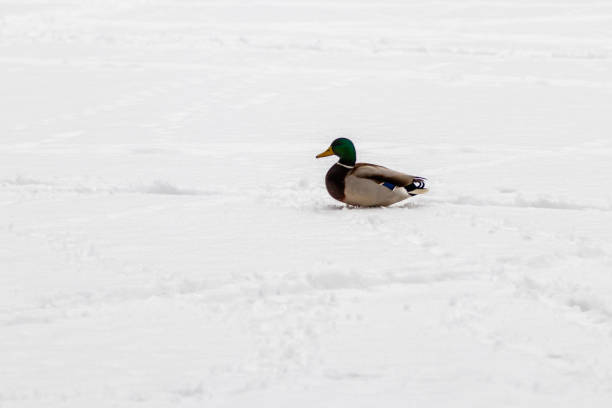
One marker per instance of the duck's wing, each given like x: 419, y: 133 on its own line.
x: 388, y: 177
x: 369, y: 185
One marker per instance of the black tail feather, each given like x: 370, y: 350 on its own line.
x: 417, y: 183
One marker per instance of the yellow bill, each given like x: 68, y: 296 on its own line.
x: 328, y: 152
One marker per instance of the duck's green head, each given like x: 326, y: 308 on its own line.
x: 342, y: 148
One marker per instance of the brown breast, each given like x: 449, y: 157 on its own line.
x: 334, y: 181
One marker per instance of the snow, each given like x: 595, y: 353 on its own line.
x: 167, y: 239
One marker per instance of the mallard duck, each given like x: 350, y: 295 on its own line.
x: 364, y: 184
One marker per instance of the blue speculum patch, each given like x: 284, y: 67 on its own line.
x: 388, y: 185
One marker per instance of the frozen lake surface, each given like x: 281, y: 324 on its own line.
x: 166, y: 239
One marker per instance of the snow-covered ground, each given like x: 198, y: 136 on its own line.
x: 166, y: 239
